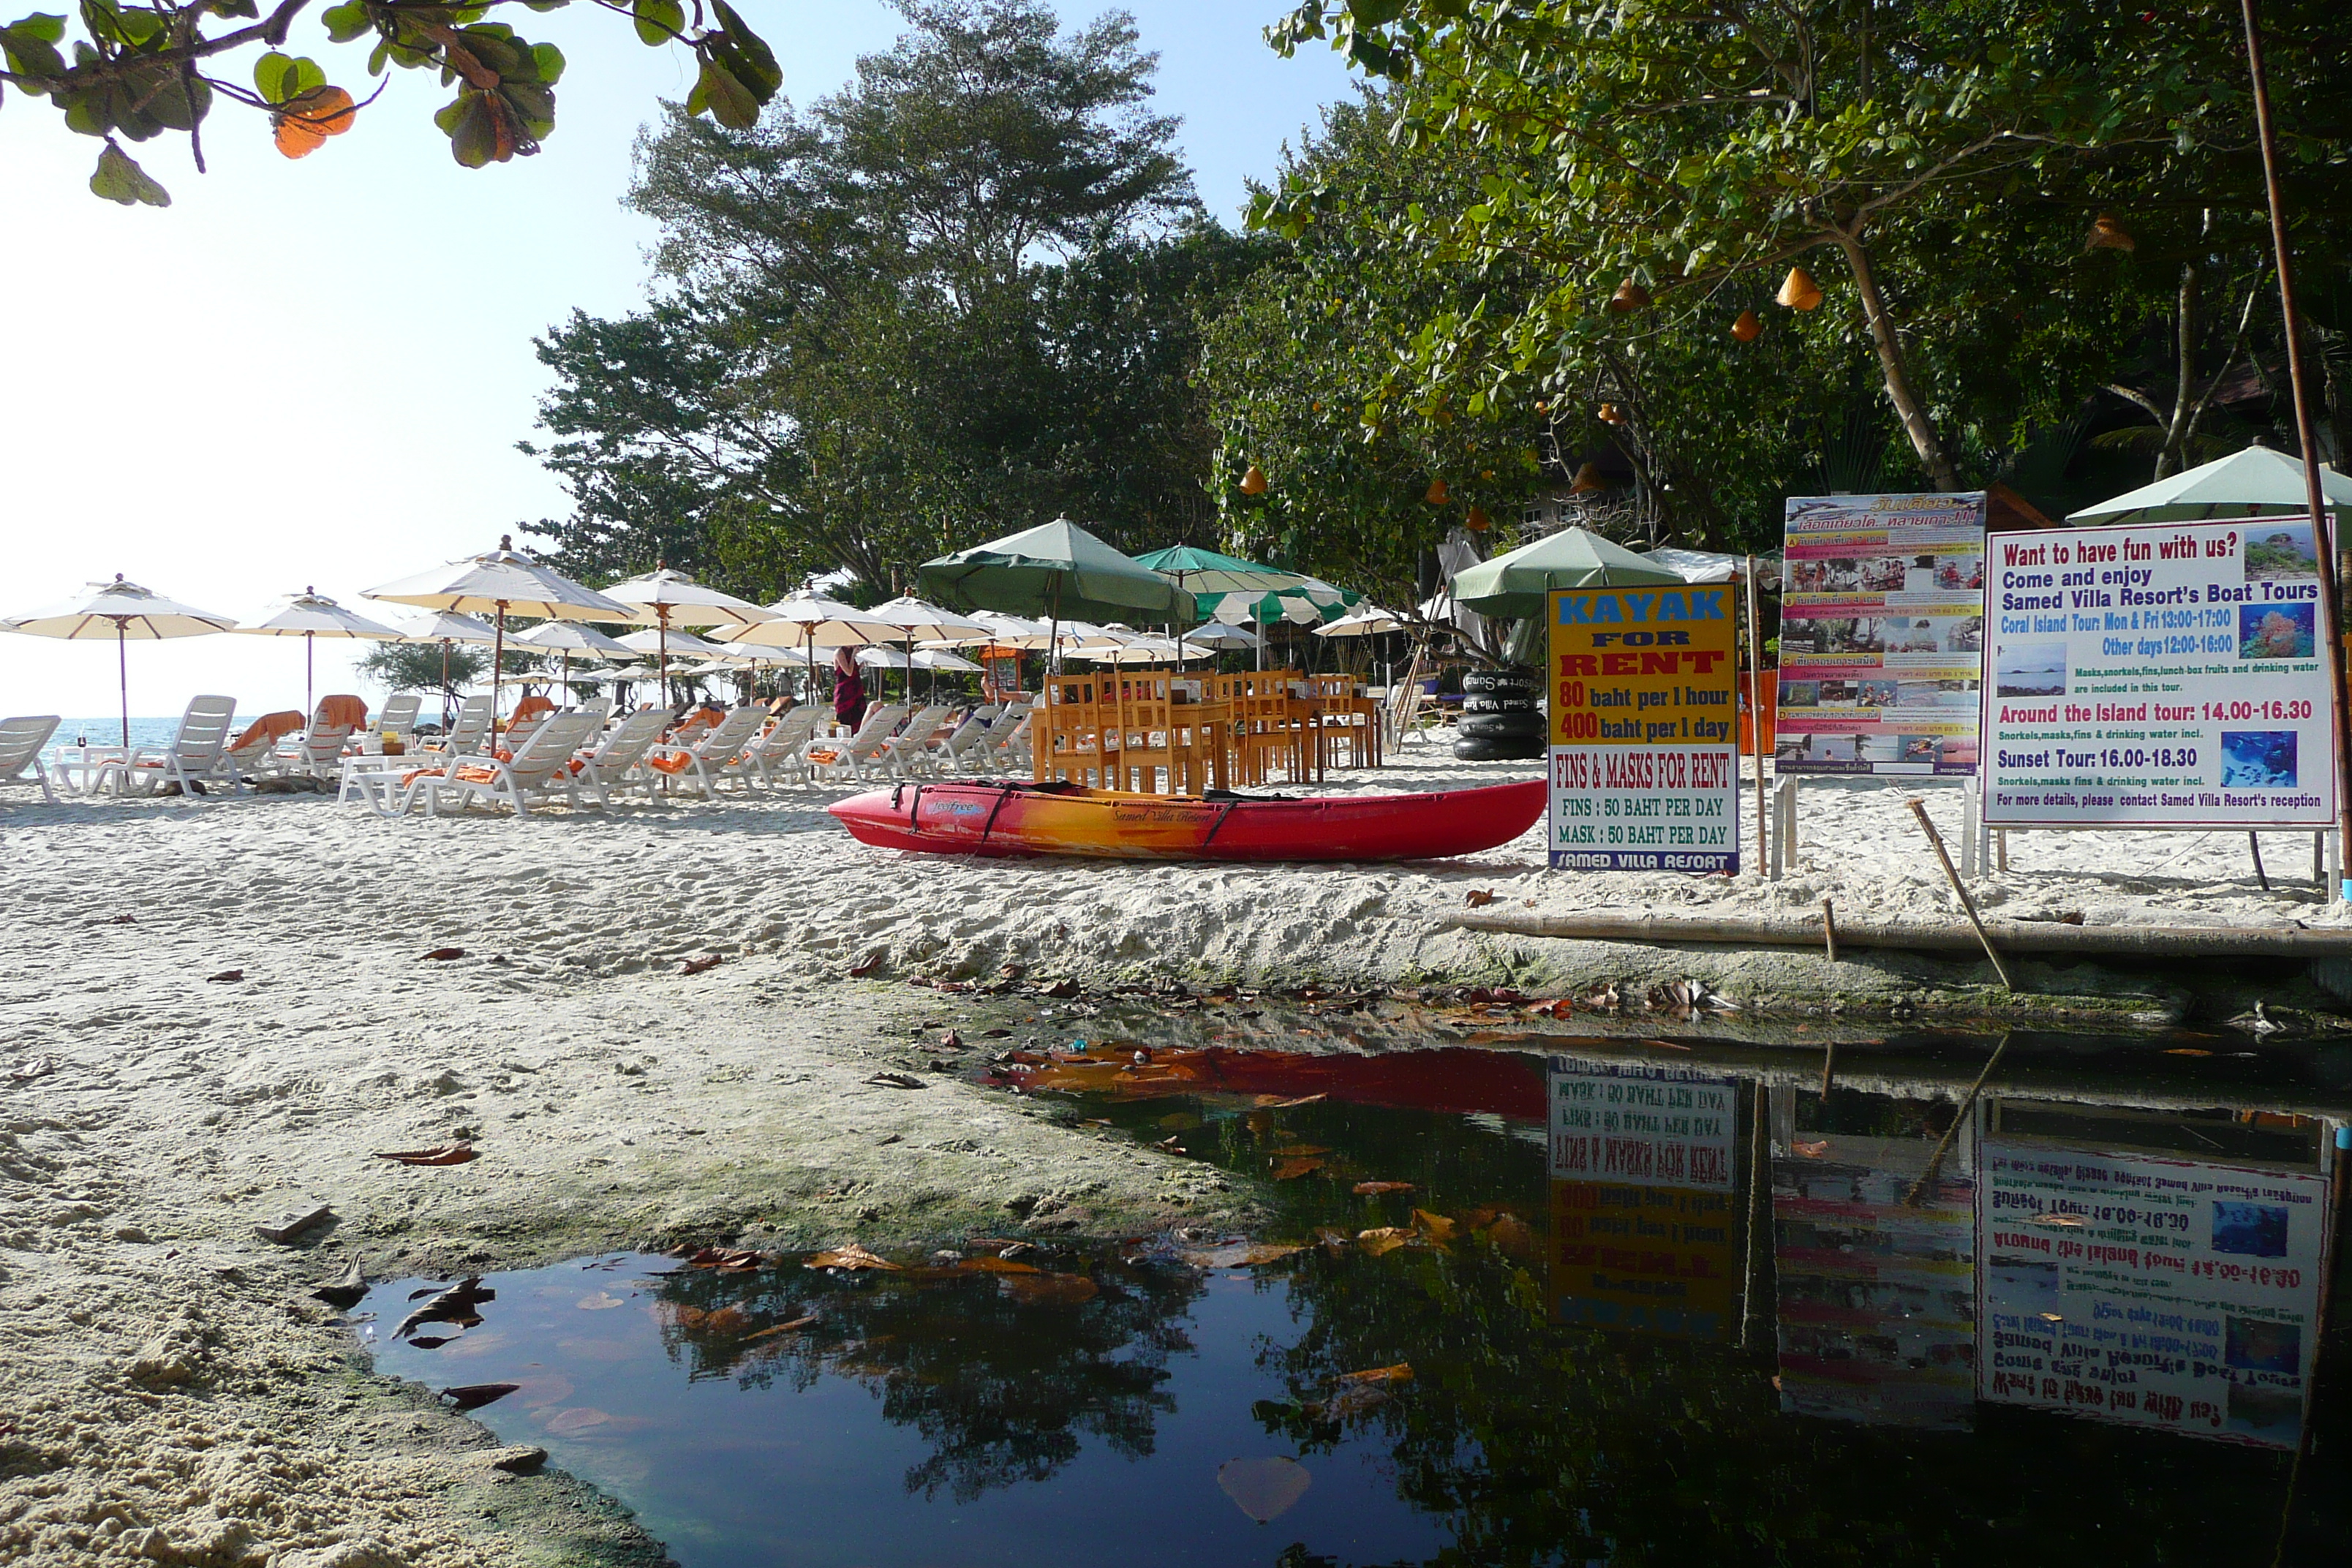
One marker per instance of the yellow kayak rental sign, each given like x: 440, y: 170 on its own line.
x: 1644, y: 730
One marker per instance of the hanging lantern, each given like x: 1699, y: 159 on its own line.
x: 1747, y: 328
x: 1254, y: 482
x: 1588, y: 480
x: 1436, y: 493
x: 1610, y: 414
x: 1629, y: 297
x: 1478, y: 522
x: 1798, y: 290
x: 2106, y: 233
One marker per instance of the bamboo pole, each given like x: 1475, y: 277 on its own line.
x: 1968, y: 904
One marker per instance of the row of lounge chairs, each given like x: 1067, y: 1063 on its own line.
x: 203, y: 753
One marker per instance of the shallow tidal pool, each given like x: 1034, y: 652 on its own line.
x: 1629, y: 1304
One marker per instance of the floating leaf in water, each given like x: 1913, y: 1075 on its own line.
x: 850, y: 1255
x: 538, y: 1392
x: 1267, y: 1252
x: 1298, y: 1151
x: 1401, y: 1372
x: 1265, y: 1490
x: 734, y: 1260
x: 579, y: 1418
x: 1383, y: 1239
x: 985, y: 1264
x: 1291, y: 1170
x: 1436, y: 1226
x: 1374, y: 1189
x: 722, y: 1321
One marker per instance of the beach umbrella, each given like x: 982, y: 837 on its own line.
x: 1058, y: 570
x: 500, y: 582
x: 1146, y: 650
x: 311, y: 614
x: 919, y: 622
x: 1516, y: 585
x: 1215, y: 635
x: 1366, y: 620
x: 1206, y: 573
x: 442, y: 626
x: 815, y: 622
x: 568, y: 638
x: 663, y: 598
x: 124, y: 612
x: 654, y: 642
x: 2256, y: 482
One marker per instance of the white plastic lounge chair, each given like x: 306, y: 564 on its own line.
x: 858, y: 753
x: 21, y: 741
x: 469, y: 728
x: 707, y: 754
x: 398, y: 716
x: 316, y: 753
x: 904, y: 755
x: 539, y: 769
x: 1011, y: 756
x: 600, y: 707
x: 948, y: 750
x: 519, y: 730
x: 617, y: 761
x: 777, y: 746
x: 194, y: 757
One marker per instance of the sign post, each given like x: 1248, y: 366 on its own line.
x: 2160, y: 675
x: 1644, y: 730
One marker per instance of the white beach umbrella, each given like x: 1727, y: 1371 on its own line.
x: 1012, y: 631
x: 121, y: 613
x: 1366, y: 620
x: 664, y: 598
x: 758, y: 653
x: 811, y: 622
x: 653, y: 642
x: 920, y: 622
x: 500, y: 582
x: 568, y: 638
x: 1146, y: 650
x: 311, y: 614
x: 444, y: 628
x: 926, y: 659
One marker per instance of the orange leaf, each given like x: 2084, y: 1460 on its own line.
x: 1297, y: 1150
x: 999, y: 1266
x: 1384, y: 1240
x: 1374, y: 1189
x: 850, y: 1255
x: 1291, y: 1170
x: 308, y: 118
x: 1437, y: 1226
x: 1401, y: 1372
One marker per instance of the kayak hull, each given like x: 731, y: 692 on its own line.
x: 984, y: 817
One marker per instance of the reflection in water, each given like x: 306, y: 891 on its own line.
x: 1511, y: 1309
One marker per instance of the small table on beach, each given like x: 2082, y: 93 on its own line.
x: 88, y: 761
x: 374, y: 777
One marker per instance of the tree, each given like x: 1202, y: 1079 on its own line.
x: 958, y: 297
x: 1656, y: 164
x: 138, y: 72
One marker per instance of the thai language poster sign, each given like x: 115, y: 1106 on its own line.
x: 1882, y: 634
x: 2162, y: 1293
x: 2168, y: 675
x: 1644, y: 730
x: 1642, y: 1232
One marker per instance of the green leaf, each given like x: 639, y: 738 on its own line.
x: 269, y: 77
x: 659, y: 21
x: 182, y: 103
x: 729, y: 101
x: 41, y: 24
x: 533, y: 103
x: 119, y: 178
x: 548, y: 61
x: 347, y: 21
x: 29, y: 54
x: 747, y: 57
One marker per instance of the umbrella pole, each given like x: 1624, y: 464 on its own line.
x: 661, y: 613
x: 444, y: 686
x: 498, y: 664
x: 122, y: 676
x: 310, y: 674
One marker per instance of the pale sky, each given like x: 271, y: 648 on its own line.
x: 314, y: 374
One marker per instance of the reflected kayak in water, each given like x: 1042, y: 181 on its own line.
x: 999, y: 818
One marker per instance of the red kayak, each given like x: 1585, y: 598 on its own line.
x: 991, y: 818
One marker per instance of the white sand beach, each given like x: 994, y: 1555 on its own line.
x: 171, y: 1392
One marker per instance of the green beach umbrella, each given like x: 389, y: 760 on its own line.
x: 1514, y: 585
x: 2256, y: 482
x: 1206, y: 572
x: 1058, y: 570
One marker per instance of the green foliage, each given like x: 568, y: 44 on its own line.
x: 138, y: 72
x: 958, y: 298
x: 1938, y: 162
